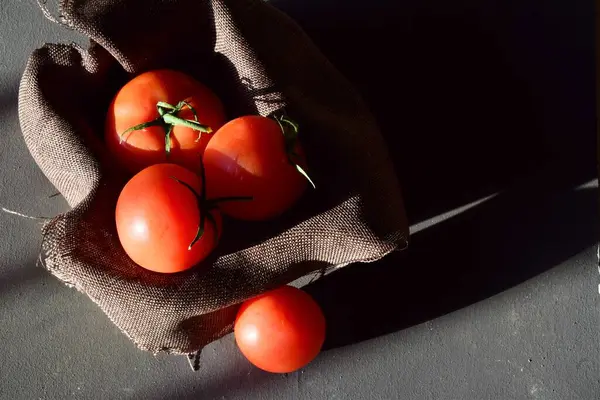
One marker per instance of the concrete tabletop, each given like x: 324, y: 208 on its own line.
x: 488, y: 109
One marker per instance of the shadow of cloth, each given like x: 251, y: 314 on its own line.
x: 463, y: 119
x: 8, y: 104
x: 17, y: 278
x: 463, y: 111
x: 461, y: 93
x: 489, y: 248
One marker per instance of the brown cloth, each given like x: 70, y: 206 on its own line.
x: 258, y: 61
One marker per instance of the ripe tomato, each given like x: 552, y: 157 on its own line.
x: 136, y: 103
x: 280, y: 331
x: 252, y: 156
x: 158, y: 217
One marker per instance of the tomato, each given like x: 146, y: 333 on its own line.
x: 158, y: 217
x: 136, y: 103
x: 280, y: 331
x: 258, y: 157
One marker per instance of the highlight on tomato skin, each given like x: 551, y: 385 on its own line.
x: 280, y: 331
x: 252, y: 156
x: 158, y: 216
x: 181, y: 112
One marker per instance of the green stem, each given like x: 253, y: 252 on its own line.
x: 177, y: 121
x: 290, y: 130
x: 168, y: 119
x: 192, y: 109
x: 168, y: 106
x: 305, y: 174
x: 168, y: 141
x: 214, y: 203
x: 139, y: 127
x: 232, y: 198
x: 213, y: 221
x: 205, y: 206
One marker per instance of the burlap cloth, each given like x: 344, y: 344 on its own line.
x: 258, y: 61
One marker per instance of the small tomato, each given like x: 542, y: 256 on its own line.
x: 280, y: 331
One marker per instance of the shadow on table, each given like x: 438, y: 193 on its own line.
x: 8, y: 105
x: 18, y: 278
x: 472, y: 101
x: 472, y: 256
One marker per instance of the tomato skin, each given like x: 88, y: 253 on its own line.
x: 157, y: 218
x: 247, y: 157
x: 280, y: 331
x: 136, y: 102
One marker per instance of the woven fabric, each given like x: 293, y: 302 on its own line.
x: 258, y: 61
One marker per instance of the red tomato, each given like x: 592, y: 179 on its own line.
x: 249, y: 157
x: 280, y: 331
x: 158, y: 218
x: 136, y: 103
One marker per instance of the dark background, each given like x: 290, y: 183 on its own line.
x: 477, y: 100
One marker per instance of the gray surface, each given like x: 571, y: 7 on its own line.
x: 487, y: 304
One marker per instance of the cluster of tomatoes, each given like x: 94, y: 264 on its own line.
x: 190, y: 166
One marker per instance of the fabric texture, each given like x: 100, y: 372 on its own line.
x: 258, y: 61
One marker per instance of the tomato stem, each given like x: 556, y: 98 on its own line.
x: 168, y: 119
x: 213, y: 221
x: 205, y: 206
x: 168, y: 141
x: 290, y: 130
x: 214, y: 203
x: 139, y: 127
x: 177, y: 121
x: 304, y: 174
x: 232, y: 198
x: 162, y: 104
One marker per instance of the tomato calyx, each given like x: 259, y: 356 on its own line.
x: 290, y: 130
x: 168, y: 119
x: 205, y: 206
